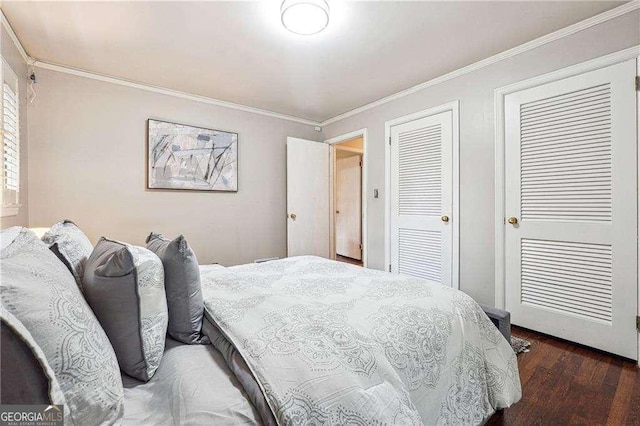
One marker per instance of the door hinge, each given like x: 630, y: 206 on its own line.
x: 389, y: 140
x: 638, y: 323
x: 360, y: 163
x: 389, y: 267
x: 360, y: 246
x: 637, y: 83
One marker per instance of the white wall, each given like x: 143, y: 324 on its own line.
x: 475, y: 93
x: 19, y: 66
x: 87, y: 141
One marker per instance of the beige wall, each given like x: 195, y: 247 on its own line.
x: 350, y: 148
x: 87, y: 142
x: 357, y: 143
x: 475, y: 92
x: 19, y: 66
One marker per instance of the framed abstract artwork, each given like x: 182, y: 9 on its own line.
x: 191, y: 158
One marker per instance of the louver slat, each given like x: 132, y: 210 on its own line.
x: 565, y: 156
x: 420, y: 171
x: 420, y: 254
x: 569, y: 277
x: 9, y: 153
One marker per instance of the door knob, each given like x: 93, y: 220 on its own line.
x: 337, y: 211
x: 445, y: 218
x: 293, y: 216
x: 512, y: 220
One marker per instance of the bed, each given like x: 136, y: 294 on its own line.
x: 192, y: 386
x: 297, y: 341
x: 314, y: 341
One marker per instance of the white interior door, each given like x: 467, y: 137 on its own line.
x: 422, y: 198
x: 571, y: 184
x: 349, y: 206
x: 307, y: 198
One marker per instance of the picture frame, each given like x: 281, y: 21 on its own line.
x: 191, y: 158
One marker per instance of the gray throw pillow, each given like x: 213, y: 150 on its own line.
x: 71, y: 246
x: 27, y: 377
x: 38, y: 290
x: 182, y: 284
x: 124, y: 286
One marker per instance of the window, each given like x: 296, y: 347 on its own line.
x: 10, y: 131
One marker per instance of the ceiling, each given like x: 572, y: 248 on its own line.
x: 239, y: 51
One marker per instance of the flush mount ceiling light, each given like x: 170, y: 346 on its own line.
x: 305, y: 17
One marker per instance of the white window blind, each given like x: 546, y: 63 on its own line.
x: 10, y: 141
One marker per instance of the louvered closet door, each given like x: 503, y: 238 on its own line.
x: 571, y: 182
x: 421, y: 194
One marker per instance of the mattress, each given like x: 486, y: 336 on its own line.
x: 192, y: 386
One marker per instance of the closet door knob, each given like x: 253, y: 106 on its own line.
x: 512, y: 220
x: 445, y: 218
x: 293, y: 216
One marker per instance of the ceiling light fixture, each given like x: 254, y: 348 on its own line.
x: 305, y: 17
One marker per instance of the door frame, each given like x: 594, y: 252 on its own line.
x: 499, y: 110
x: 332, y: 161
x: 638, y: 180
x: 354, y: 152
x: 454, y: 107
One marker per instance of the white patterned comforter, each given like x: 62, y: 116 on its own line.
x: 331, y: 343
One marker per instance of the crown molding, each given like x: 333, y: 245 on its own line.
x: 170, y: 92
x: 143, y: 86
x: 540, y: 41
x: 16, y: 41
x: 530, y: 45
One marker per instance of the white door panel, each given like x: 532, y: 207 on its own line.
x: 422, y: 194
x: 349, y: 206
x: 307, y: 198
x: 570, y: 167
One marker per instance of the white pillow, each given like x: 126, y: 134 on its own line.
x: 71, y: 246
x: 40, y: 292
x: 7, y: 235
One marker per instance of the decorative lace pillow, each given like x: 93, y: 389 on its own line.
x: 71, y: 246
x: 182, y: 284
x: 38, y: 290
x: 124, y: 286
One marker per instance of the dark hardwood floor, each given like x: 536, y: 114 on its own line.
x: 348, y: 260
x: 568, y: 384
